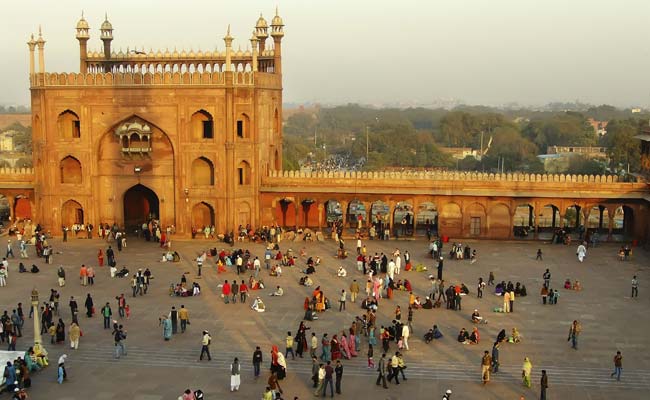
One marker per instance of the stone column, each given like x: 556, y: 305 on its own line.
x: 12, y: 208
x: 321, y: 208
x: 37, y: 323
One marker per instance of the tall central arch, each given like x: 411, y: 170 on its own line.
x: 141, y: 204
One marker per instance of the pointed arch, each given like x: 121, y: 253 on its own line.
x: 72, y: 213
x: 244, y: 173
x: 243, y: 126
x: 70, y: 170
x: 68, y: 125
x: 202, y: 172
x: 202, y: 125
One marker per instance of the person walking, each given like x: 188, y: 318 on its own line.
x: 338, y: 371
x: 342, y: 300
x: 381, y: 369
x: 486, y: 363
x: 512, y: 301
x: 618, y: 366
x: 547, y: 278
x: 90, y: 306
x: 173, y: 318
x: 10, y: 250
x: 107, y: 313
x: 447, y: 395
x: 315, y: 367
x: 506, y: 302
x: 184, y: 317
x: 257, y: 361
x: 495, y: 357
x: 635, y: 287
x: 119, y: 335
x: 74, y: 333
x: 354, y: 290
x: 543, y: 384
x: 235, y: 379
x: 574, y: 332
x: 527, y: 368
x: 393, y: 369
x: 225, y: 292
x: 313, y: 346
x: 60, y: 273
x: 205, y: 345
x: 321, y: 380
x: 539, y: 255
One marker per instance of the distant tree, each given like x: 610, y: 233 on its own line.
x: 24, y: 163
x: 581, y: 165
x: 622, y: 148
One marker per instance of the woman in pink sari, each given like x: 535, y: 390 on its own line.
x: 345, y: 347
x: 352, y: 342
x: 376, y: 289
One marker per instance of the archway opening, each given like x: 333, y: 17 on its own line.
x: 202, y: 215
x: 333, y: 212
x: 549, y: 218
x: 71, y: 213
x: 524, y: 221
x: 70, y: 169
x: 403, y: 218
x: 357, y: 214
x: 141, y: 205
x: 427, y: 219
x: 202, y: 172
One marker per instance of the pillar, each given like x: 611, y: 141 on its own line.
x: 536, y: 220
x: 37, y: 323
x: 12, y: 209
x: 228, y: 40
x: 610, y: 230
x: 553, y: 220
x: 321, y: 211
x: 601, y: 212
x: 297, y: 206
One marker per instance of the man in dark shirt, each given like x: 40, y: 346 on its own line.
x: 381, y: 368
x: 257, y: 361
x: 339, y: 375
x: 329, y: 372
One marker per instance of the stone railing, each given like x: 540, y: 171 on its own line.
x: 447, y: 176
x: 16, y: 171
x: 239, y: 78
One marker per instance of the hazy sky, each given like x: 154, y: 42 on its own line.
x: 375, y: 51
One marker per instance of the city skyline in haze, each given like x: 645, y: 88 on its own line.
x: 375, y: 52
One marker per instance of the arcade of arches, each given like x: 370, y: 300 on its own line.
x: 458, y: 216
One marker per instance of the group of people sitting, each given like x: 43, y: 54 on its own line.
x: 466, y: 338
x: 433, y: 333
x: 577, y: 286
x: 306, y: 281
x: 502, y: 287
x: 182, y: 290
x: 515, y: 337
x: 171, y: 256
x: 33, y: 270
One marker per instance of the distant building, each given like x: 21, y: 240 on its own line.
x: 600, y: 127
x: 7, y: 140
x: 636, y: 110
x: 558, y: 157
x: 460, y: 152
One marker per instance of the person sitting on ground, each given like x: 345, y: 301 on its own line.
x: 428, y: 337
x: 516, y: 337
x: 436, y: 332
x: 276, y: 270
x: 498, y: 289
x: 342, y: 273
x: 306, y: 281
x: 310, y: 314
x: 523, y: 291
x: 34, y: 269
x: 278, y: 292
x: 417, y: 303
x: 476, y: 317
x: 21, y: 268
x: 475, y: 337
x: 463, y: 290
x: 428, y: 304
x: 258, y: 305
x: 567, y: 283
x: 518, y: 289
x: 407, y: 285
x: 370, y: 303
x: 310, y: 270
x: 577, y: 286
x: 399, y: 285
x: 176, y: 257
x: 123, y: 273
x: 463, y: 337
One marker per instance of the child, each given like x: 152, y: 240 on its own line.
x: 371, y: 363
x: 539, y: 255
x: 127, y: 309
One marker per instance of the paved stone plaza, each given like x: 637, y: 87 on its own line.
x: 155, y: 369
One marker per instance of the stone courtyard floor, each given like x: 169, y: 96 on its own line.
x: 155, y: 369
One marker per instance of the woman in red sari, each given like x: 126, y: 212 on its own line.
x: 336, y: 348
x: 100, y: 258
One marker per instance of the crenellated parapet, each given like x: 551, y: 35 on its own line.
x: 446, y: 176
x: 453, y: 183
x: 236, y: 78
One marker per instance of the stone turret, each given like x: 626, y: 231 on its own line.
x: 41, y: 51
x: 277, y: 33
x: 228, y: 40
x: 261, y: 31
x: 82, y: 36
x: 107, y: 37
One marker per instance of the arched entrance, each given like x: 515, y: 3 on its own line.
x: 140, y: 205
x: 202, y: 215
x: 71, y: 213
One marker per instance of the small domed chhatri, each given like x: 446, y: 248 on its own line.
x: 261, y: 22
x: 83, y: 24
